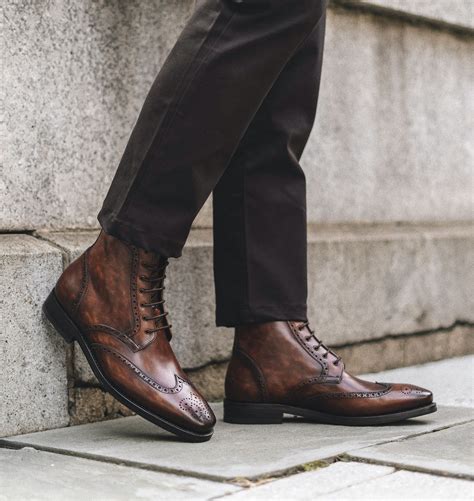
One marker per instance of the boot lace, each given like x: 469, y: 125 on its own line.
x: 320, y: 344
x: 156, y: 279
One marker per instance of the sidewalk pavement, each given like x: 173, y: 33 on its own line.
x: 430, y: 457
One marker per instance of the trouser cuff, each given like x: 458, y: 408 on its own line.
x: 147, y: 239
x: 259, y: 314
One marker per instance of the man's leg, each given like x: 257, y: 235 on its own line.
x: 110, y: 300
x: 206, y: 95
x: 278, y: 365
x: 260, y: 201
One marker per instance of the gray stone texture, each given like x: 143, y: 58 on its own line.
x: 33, y: 386
x: 32, y: 475
x: 392, y: 138
x: 391, y: 142
x: 456, y: 13
x: 367, y: 283
x: 91, y: 404
x: 439, y: 453
x: 364, y: 284
x: 314, y: 484
x: 407, y: 485
x: 235, y: 450
x: 77, y: 74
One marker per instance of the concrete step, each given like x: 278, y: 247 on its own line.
x: 33, y: 383
x: 387, y: 296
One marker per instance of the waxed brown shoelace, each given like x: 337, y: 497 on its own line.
x: 320, y: 343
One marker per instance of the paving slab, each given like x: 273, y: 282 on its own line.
x: 35, y: 475
x: 407, y: 485
x: 306, y: 486
x: 249, y: 451
x: 451, y: 381
x: 446, y: 452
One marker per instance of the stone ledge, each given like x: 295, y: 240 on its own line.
x: 33, y: 389
x: 365, y: 283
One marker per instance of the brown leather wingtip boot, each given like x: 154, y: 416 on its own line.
x: 282, y: 368
x: 110, y: 300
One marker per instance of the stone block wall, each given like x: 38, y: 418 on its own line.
x: 391, y: 142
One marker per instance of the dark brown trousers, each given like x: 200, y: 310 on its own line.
x: 230, y: 114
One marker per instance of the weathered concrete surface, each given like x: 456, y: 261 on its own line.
x: 33, y: 393
x: 314, y: 484
x: 391, y: 142
x: 439, y: 453
x: 392, y: 137
x: 363, y: 284
x: 369, y: 282
x: 449, y: 12
x: 407, y: 485
x: 451, y: 381
x: 235, y: 450
x: 77, y: 74
x: 28, y: 474
x: 91, y: 404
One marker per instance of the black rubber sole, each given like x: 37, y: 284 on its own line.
x: 247, y: 413
x: 66, y: 327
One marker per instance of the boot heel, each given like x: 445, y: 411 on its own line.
x: 59, y: 319
x: 246, y: 413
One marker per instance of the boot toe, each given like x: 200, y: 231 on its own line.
x: 196, y: 410
x: 413, y: 396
